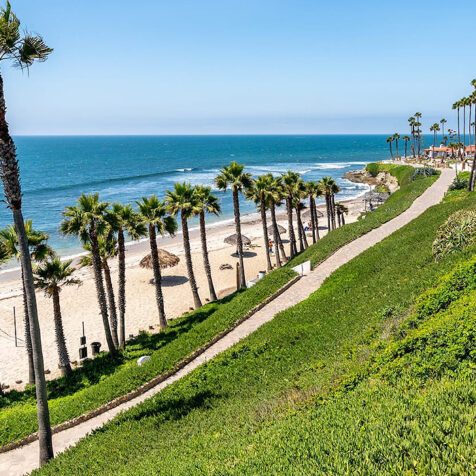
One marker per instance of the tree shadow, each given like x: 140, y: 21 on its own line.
x: 169, y: 281
x: 104, y: 364
x: 246, y: 254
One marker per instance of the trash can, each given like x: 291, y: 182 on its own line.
x: 95, y: 347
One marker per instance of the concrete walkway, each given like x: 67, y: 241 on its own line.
x: 25, y: 459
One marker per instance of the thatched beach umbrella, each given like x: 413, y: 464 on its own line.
x: 233, y: 240
x: 307, y: 214
x: 166, y: 260
x: 281, y: 229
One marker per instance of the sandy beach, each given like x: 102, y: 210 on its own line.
x: 79, y: 303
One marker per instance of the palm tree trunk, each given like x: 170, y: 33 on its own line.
x: 396, y: 147
x: 111, y: 302
x: 206, y: 262
x: 464, y: 132
x: 292, y: 237
x: 406, y: 143
x: 236, y: 209
x: 188, y: 258
x: 303, y: 233
x: 97, y: 268
x: 275, y: 222
x: 312, y: 205
x: 121, y: 258
x: 299, y: 227
x: 277, y: 238
x: 469, y: 125
x: 10, y: 175
x: 328, y: 210
x: 342, y: 218
x: 265, y: 234
x: 157, y: 276
x: 63, y: 355
x: 28, y: 345
x: 333, y: 210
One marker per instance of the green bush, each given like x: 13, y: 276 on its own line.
x: 456, y: 233
x: 460, y: 182
x: 373, y: 169
x: 422, y: 172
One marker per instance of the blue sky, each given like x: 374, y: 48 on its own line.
x: 247, y: 66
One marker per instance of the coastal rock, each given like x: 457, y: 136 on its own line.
x: 382, y: 180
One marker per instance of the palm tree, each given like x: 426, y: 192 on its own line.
x: 327, y: 185
x: 434, y: 128
x: 396, y: 136
x: 443, y: 122
x: 153, y: 213
x: 107, y: 245
x: 206, y: 202
x: 276, y: 195
x: 406, y: 139
x: 88, y: 221
x: 4, y: 253
x: 259, y: 193
x: 314, y: 191
x: 300, y: 192
x: 182, y: 200
x: 341, y: 211
x: 51, y: 276
x: 464, y: 103
x: 289, y: 180
x: 39, y: 250
x: 411, y: 123
x: 389, y: 142
x: 232, y: 176
x: 23, y: 50
x: 125, y: 221
x: 418, y: 131
x: 457, y: 106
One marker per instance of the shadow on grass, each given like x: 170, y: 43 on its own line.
x: 91, y: 371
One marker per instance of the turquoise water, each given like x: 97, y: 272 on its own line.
x: 56, y: 170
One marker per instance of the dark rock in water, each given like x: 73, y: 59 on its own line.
x: 383, y: 180
x: 226, y: 266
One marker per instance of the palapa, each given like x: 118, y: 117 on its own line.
x: 166, y: 260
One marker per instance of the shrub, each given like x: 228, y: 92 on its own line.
x: 458, y: 231
x: 373, y: 169
x: 460, y: 182
x: 424, y: 172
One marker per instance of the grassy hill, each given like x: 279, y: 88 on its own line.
x: 104, y: 379
x: 355, y: 379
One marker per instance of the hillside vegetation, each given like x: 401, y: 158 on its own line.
x: 351, y: 380
x: 104, y: 379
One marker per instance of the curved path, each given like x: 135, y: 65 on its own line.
x: 25, y: 459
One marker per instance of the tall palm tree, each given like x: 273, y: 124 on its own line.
x: 396, y: 136
x: 418, y: 116
x: 434, y: 128
x: 126, y: 221
x: 472, y: 175
x: 327, y: 184
x: 4, y: 253
x: 154, y: 214
x: 259, y: 193
x: 406, y: 140
x: 51, y: 276
x: 443, y: 121
x: 314, y: 191
x: 390, y: 139
x: 39, y: 250
x: 107, y: 245
x: 206, y: 202
x: 88, y: 221
x: 457, y: 106
x: 23, y: 49
x: 276, y: 195
x: 289, y: 180
x: 464, y: 103
x: 341, y: 211
x: 181, y: 200
x: 335, y: 189
x: 299, y: 193
x: 411, y: 123
x: 232, y: 176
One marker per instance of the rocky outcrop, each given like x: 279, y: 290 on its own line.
x: 381, y: 180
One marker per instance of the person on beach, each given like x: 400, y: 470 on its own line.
x: 270, y: 246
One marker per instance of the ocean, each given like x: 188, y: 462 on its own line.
x: 56, y: 170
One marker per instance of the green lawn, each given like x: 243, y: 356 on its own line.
x: 315, y: 389
x: 104, y: 379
